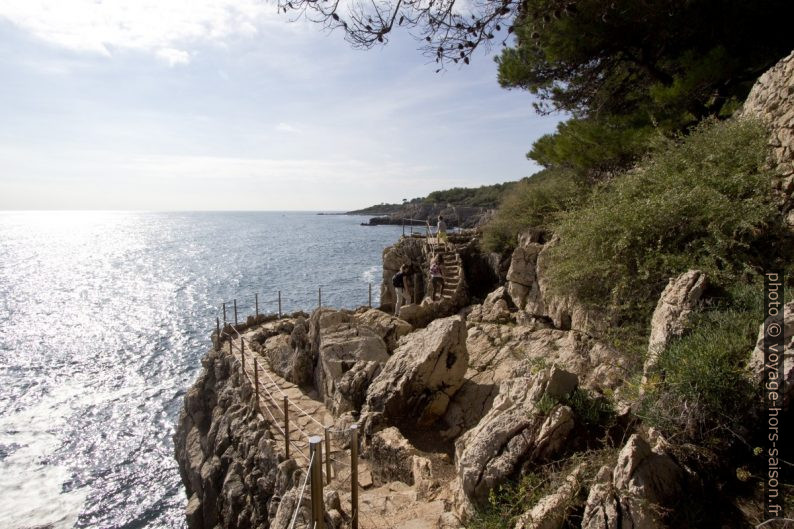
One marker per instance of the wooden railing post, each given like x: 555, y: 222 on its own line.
x: 370, y: 295
x: 354, y: 475
x: 256, y: 305
x: 235, y: 313
x: 327, y: 456
x: 316, y: 456
x: 279, y: 303
x: 242, y: 354
x: 320, y: 297
x: 286, y: 427
x: 224, y: 314
x: 218, y: 334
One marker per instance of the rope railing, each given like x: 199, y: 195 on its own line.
x: 300, y: 496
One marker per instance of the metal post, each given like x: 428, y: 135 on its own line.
x: 320, y: 297
x: 403, y: 226
x: 224, y: 314
x: 327, y: 456
x: 354, y: 474
x: 316, y: 453
x: 242, y: 353
x: 235, y: 313
x: 279, y: 303
x: 256, y: 305
x: 256, y: 382
x: 286, y: 427
x: 218, y: 334
x: 370, y: 295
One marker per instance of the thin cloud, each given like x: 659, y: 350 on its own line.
x: 162, y: 27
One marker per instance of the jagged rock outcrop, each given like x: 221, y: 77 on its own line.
x: 551, y: 511
x: 495, y: 308
x: 229, y: 465
x: 499, y: 352
x: 643, y: 483
x: 785, y: 378
x: 351, y: 388
x: 388, y: 327
x: 671, y: 316
x: 416, y: 383
x: 530, y: 290
x: 516, y: 431
x: 339, y: 342
x: 772, y: 100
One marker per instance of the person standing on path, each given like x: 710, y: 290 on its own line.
x: 437, y: 277
x: 399, y: 281
x: 441, y: 230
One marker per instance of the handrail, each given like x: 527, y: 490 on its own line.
x: 300, y: 497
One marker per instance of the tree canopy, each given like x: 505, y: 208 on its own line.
x: 626, y: 68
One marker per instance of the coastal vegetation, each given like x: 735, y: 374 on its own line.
x: 487, y: 197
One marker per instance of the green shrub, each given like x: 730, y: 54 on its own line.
x: 531, y: 202
x: 510, y: 500
x: 700, y: 391
x: 702, y: 201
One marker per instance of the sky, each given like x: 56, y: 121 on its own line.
x: 226, y: 105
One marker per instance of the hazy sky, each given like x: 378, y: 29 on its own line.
x: 222, y: 104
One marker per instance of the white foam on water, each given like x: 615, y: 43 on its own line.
x: 369, y: 275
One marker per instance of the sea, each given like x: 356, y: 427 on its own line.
x: 104, y: 318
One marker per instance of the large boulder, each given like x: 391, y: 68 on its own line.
x: 418, y: 380
x: 516, y: 431
x: 634, y: 495
x: 340, y: 343
x: 671, y: 317
x: 785, y: 378
x: 388, y: 327
x: 522, y: 281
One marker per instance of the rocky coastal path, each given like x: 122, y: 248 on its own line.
x: 387, y: 506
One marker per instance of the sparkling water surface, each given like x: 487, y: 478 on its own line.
x: 104, y: 317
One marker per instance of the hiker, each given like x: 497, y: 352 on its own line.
x: 441, y: 230
x: 399, y: 281
x: 437, y: 277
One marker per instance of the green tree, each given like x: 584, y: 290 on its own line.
x: 625, y: 68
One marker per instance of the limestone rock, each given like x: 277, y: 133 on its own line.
x: 302, y: 368
x: 224, y: 450
x: 770, y: 100
x: 522, y: 281
x: 671, y: 317
x: 340, y: 343
x: 416, y: 383
x: 512, y: 433
x: 645, y: 481
x: 495, y: 308
x: 787, y: 374
x: 351, y: 388
x: 388, y: 327
x: 391, y: 457
x: 550, y: 511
